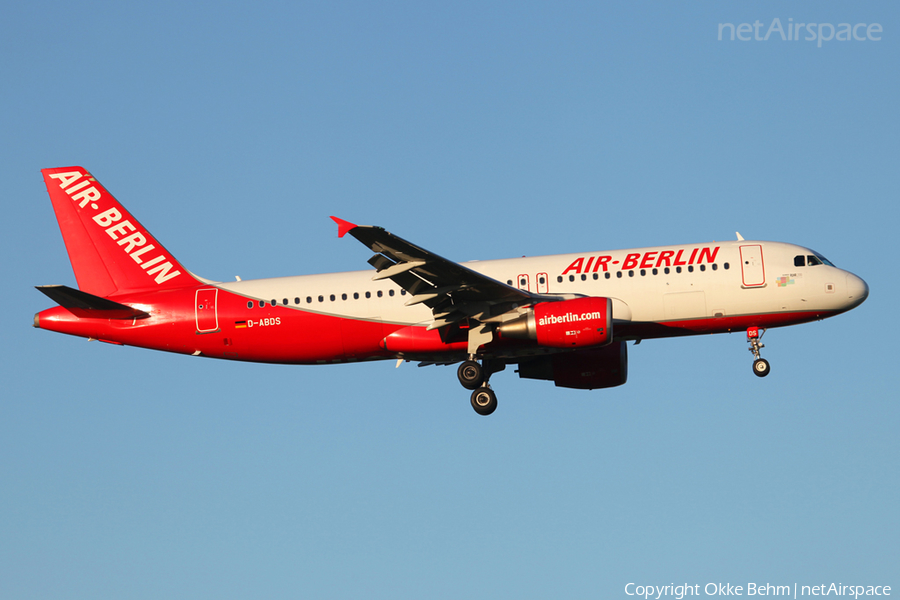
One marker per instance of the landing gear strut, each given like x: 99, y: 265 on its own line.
x: 474, y: 376
x: 760, y: 365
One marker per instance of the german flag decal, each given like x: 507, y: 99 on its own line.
x: 240, y: 324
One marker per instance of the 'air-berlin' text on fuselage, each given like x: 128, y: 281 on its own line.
x: 647, y: 260
x: 125, y: 234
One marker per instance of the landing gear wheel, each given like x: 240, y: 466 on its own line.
x: 471, y: 375
x: 484, y: 401
x: 761, y: 367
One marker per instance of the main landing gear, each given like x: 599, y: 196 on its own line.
x: 760, y: 365
x: 474, y: 376
x: 484, y: 401
x: 470, y: 374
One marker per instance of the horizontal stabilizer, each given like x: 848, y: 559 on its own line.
x: 82, y: 304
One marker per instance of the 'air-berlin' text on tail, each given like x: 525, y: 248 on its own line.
x: 110, y: 251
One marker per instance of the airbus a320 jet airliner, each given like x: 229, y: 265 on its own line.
x: 563, y: 318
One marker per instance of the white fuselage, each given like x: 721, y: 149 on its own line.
x: 648, y: 285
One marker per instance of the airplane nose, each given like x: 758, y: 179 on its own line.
x: 857, y: 290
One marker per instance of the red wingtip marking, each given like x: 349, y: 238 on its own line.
x: 343, y: 226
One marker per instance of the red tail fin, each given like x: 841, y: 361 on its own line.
x: 110, y: 251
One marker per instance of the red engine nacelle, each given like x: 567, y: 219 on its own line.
x: 589, y: 369
x: 577, y: 323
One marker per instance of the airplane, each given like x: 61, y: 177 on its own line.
x: 564, y: 318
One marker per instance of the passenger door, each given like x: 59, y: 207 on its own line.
x: 753, y: 270
x: 205, y: 311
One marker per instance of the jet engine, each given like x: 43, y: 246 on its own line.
x: 588, y: 369
x: 577, y: 323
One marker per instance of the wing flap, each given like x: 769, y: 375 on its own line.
x: 398, y: 268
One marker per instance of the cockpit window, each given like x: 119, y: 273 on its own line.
x: 811, y: 260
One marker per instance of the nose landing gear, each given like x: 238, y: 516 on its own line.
x: 760, y: 365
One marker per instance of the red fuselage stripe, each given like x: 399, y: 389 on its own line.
x: 222, y: 326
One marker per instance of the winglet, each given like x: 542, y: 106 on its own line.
x: 343, y: 226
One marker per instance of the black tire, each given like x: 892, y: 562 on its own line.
x: 470, y: 375
x: 484, y: 401
x: 761, y: 367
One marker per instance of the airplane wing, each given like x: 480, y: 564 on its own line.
x: 452, y: 291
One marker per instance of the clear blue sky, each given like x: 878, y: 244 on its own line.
x: 233, y: 130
